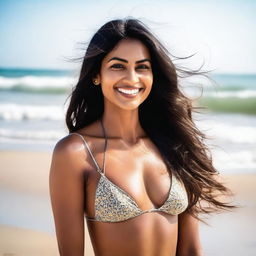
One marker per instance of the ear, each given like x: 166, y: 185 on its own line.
x: 96, y: 79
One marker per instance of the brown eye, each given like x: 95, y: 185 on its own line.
x: 143, y: 67
x: 117, y: 66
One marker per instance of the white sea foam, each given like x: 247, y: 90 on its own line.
x: 37, y: 82
x: 227, y: 94
x: 28, y: 135
x: 197, y: 92
x: 240, y: 161
x: 229, y: 132
x: 235, y: 134
x: 31, y: 112
x: 233, y: 139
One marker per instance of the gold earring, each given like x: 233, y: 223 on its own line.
x: 95, y: 81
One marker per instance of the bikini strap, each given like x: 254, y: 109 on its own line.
x: 90, y: 152
x: 105, y: 146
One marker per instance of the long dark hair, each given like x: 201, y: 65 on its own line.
x: 166, y: 115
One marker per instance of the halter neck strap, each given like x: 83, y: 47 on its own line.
x: 105, y: 146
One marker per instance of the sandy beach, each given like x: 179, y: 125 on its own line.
x: 26, y: 174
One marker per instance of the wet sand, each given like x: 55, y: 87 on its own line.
x: 27, y: 172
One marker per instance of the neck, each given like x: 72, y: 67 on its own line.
x: 123, y: 124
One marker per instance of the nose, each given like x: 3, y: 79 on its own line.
x: 132, y: 77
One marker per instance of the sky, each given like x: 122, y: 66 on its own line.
x: 47, y: 33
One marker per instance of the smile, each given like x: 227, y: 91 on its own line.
x: 129, y: 92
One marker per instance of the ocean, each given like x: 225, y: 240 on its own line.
x: 32, y: 113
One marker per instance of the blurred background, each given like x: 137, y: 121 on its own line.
x: 38, y: 41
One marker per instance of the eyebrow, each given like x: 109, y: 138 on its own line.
x: 126, y: 61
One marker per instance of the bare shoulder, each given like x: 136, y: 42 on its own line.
x: 69, y: 155
x: 69, y: 144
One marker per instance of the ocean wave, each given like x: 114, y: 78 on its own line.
x: 30, y: 112
x: 204, y: 92
x: 37, y: 83
x: 229, y: 130
x: 28, y: 135
x: 245, y: 105
x: 231, y: 94
x: 240, y: 161
x: 234, y: 134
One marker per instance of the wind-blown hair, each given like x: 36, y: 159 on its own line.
x: 166, y: 115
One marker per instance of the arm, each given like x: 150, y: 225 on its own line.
x: 66, y: 182
x: 188, y: 236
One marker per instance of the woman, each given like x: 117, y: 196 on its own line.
x: 134, y: 162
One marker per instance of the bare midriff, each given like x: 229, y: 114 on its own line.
x: 149, y: 234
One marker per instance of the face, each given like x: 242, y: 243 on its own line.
x: 126, y: 75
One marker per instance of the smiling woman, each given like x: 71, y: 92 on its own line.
x: 130, y: 89
x: 134, y: 162
x: 126, y: 74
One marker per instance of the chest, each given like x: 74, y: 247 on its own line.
x: 139, y: 172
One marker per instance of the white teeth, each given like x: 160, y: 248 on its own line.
x: 129, y: 91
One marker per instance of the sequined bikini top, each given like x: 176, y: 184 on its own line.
x: 113, y: 204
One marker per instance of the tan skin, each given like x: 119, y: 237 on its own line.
x: 133, y: 163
